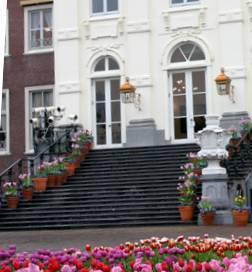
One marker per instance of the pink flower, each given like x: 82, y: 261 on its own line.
x: 31, y: 268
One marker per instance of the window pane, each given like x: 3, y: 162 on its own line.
x: 34, y: 19
x: 177, y: 56
x: 197, y: 54
x: 199, y: 104
x: 180, y: 128
x: 4, y: 102
x: 48, y: 99
x: 115, y: 92
x: 116, y: 133
x: 112, y: 5
x: 199, y: 83
x: 200, y: 123
x: 100, y: 90
x: 35, y: 39
x: 115, y: 111
x: 177, y: 1
x: 179, y: 103
x: 3, y: 120
x: 100, y: 66
x: 47, y: 19
x: 187, y: 49
x: 101, y: 134
x: 178, y: 83
x: 37, y: 99
x: 113, y: 65
x: 192, y: 1
x: 100, y: 113
x: 97, y: 6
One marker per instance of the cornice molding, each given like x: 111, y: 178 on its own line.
x: 34, y: 2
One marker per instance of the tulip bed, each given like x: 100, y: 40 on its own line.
x: 191, y: 254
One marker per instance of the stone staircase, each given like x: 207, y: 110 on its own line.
x: 112, y: 188
x: 240, y: 164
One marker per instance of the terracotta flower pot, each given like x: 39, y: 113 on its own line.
x: 51, y: 181
x: 240, y: 217
x: 186, y: 213
x: 70, y: 168
x: 12, y: 202
x: 208, y: 218
x: 27, y: 193
x: 197, y: 171
x: 40, y: 184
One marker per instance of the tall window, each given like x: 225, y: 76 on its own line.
x: 101, y: 7
x: 39, y: 28
x: 107, y: 104
x: 4, y: 128
x: 188, y: 88
x: 179, y: 2
x: 37, y: 99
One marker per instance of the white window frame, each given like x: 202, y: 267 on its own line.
x: 6, y: 46
x: 185, y: 3
x: 104, y: 12
x: 7, y: 151
x: 26, y: 30
x: 28, y: 90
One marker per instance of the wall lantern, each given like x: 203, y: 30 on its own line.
x: 128, y: 94
x: 223, y: 84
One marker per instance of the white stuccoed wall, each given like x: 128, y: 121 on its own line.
x: 141, y: 37
x: 67, y: 56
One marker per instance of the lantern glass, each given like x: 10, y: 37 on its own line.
x: 128, y: 97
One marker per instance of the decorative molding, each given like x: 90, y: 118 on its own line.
x: 105, y: 48
x: 138, y: 27
x: 232, y: 16
x: 141, y: 81
x: 34, y: 2
x: 185, y: 18
x: 68, y: 34
x: 69, y: 88
x: 103, y: 30
x: 236, y: 72
x: 94, y: 25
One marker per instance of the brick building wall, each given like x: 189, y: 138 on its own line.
x: 21, y: 70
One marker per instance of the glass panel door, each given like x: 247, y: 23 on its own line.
x: 108, y: 112
x: 189, y: 103
x: 179, y: 105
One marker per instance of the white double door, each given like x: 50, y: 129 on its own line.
x: 107, y: 112
x: 188, y: 103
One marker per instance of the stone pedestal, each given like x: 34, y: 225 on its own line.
x: 213, y: 141
x: 144, y: 132
x: 233, y: 119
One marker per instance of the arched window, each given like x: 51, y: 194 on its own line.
x: 106, y: 64
x: 107, y: 105
x: 188, y: 88
x: 187, y: 52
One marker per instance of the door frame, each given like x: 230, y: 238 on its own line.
x: 189, y: 102
x: 107, y: 112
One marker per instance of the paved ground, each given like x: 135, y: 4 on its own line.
x: 59, y: 239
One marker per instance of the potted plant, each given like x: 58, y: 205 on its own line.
x: 27, y: 185
x: 187, y: 191
x: 11, y: 193
x: 235, y: 138
x: 207, y: 211
x: 240, y: 211
x: 40, y: 179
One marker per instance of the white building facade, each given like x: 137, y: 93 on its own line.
x: 172, y: 50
